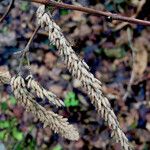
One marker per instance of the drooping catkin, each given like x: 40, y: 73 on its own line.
x: 43, y: 93
x: 56, y: 122
x: 79, y: 69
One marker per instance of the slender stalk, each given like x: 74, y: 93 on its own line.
x: 26, y: 49
x: 93, y: 12
x: 7, y: 12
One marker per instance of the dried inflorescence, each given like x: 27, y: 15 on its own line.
x: 80, y: 71
x: 43, y: 93
x: 56, y: 122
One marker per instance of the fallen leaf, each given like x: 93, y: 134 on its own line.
x: 141, y: 57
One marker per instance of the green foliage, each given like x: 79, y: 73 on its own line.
x: 70, y: 100
x: 57, y: 147
x: 32, y: 144
x: 2, y: 134
x: 4, y: 106
x: 12, y: 100
x: 18, y: 135
x: 115, y: 52
x: 9, y: 127
x: 133, y: 125
x: 4, y: 124
x: 4, y: 30
x: 64, y: 12
x: 24, y: 6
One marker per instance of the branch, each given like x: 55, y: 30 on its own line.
x: 26, y: 50
x: 93, y: 12
x: 8, y: 10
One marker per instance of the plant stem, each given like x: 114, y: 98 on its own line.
x: 93, y: 12
x: 26, y: 49
x: 7, y: 12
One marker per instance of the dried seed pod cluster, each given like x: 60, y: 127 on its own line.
x: 56, y: 122
x: 80, y: 70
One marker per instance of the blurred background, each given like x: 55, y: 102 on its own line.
x: 118, y: 54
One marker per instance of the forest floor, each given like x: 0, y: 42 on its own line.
x: 114, y: 51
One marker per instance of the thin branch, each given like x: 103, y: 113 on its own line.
x: 7, y: 12
x: 26, y: 49
x: 31, y: 39
x: 93, y: 12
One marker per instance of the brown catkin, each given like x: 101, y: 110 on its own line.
x: 79, y: 69
x: 56, y: 122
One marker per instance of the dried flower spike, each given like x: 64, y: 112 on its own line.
x: 43, y: 93
x: 56, y: 122
x: 79, y: 70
